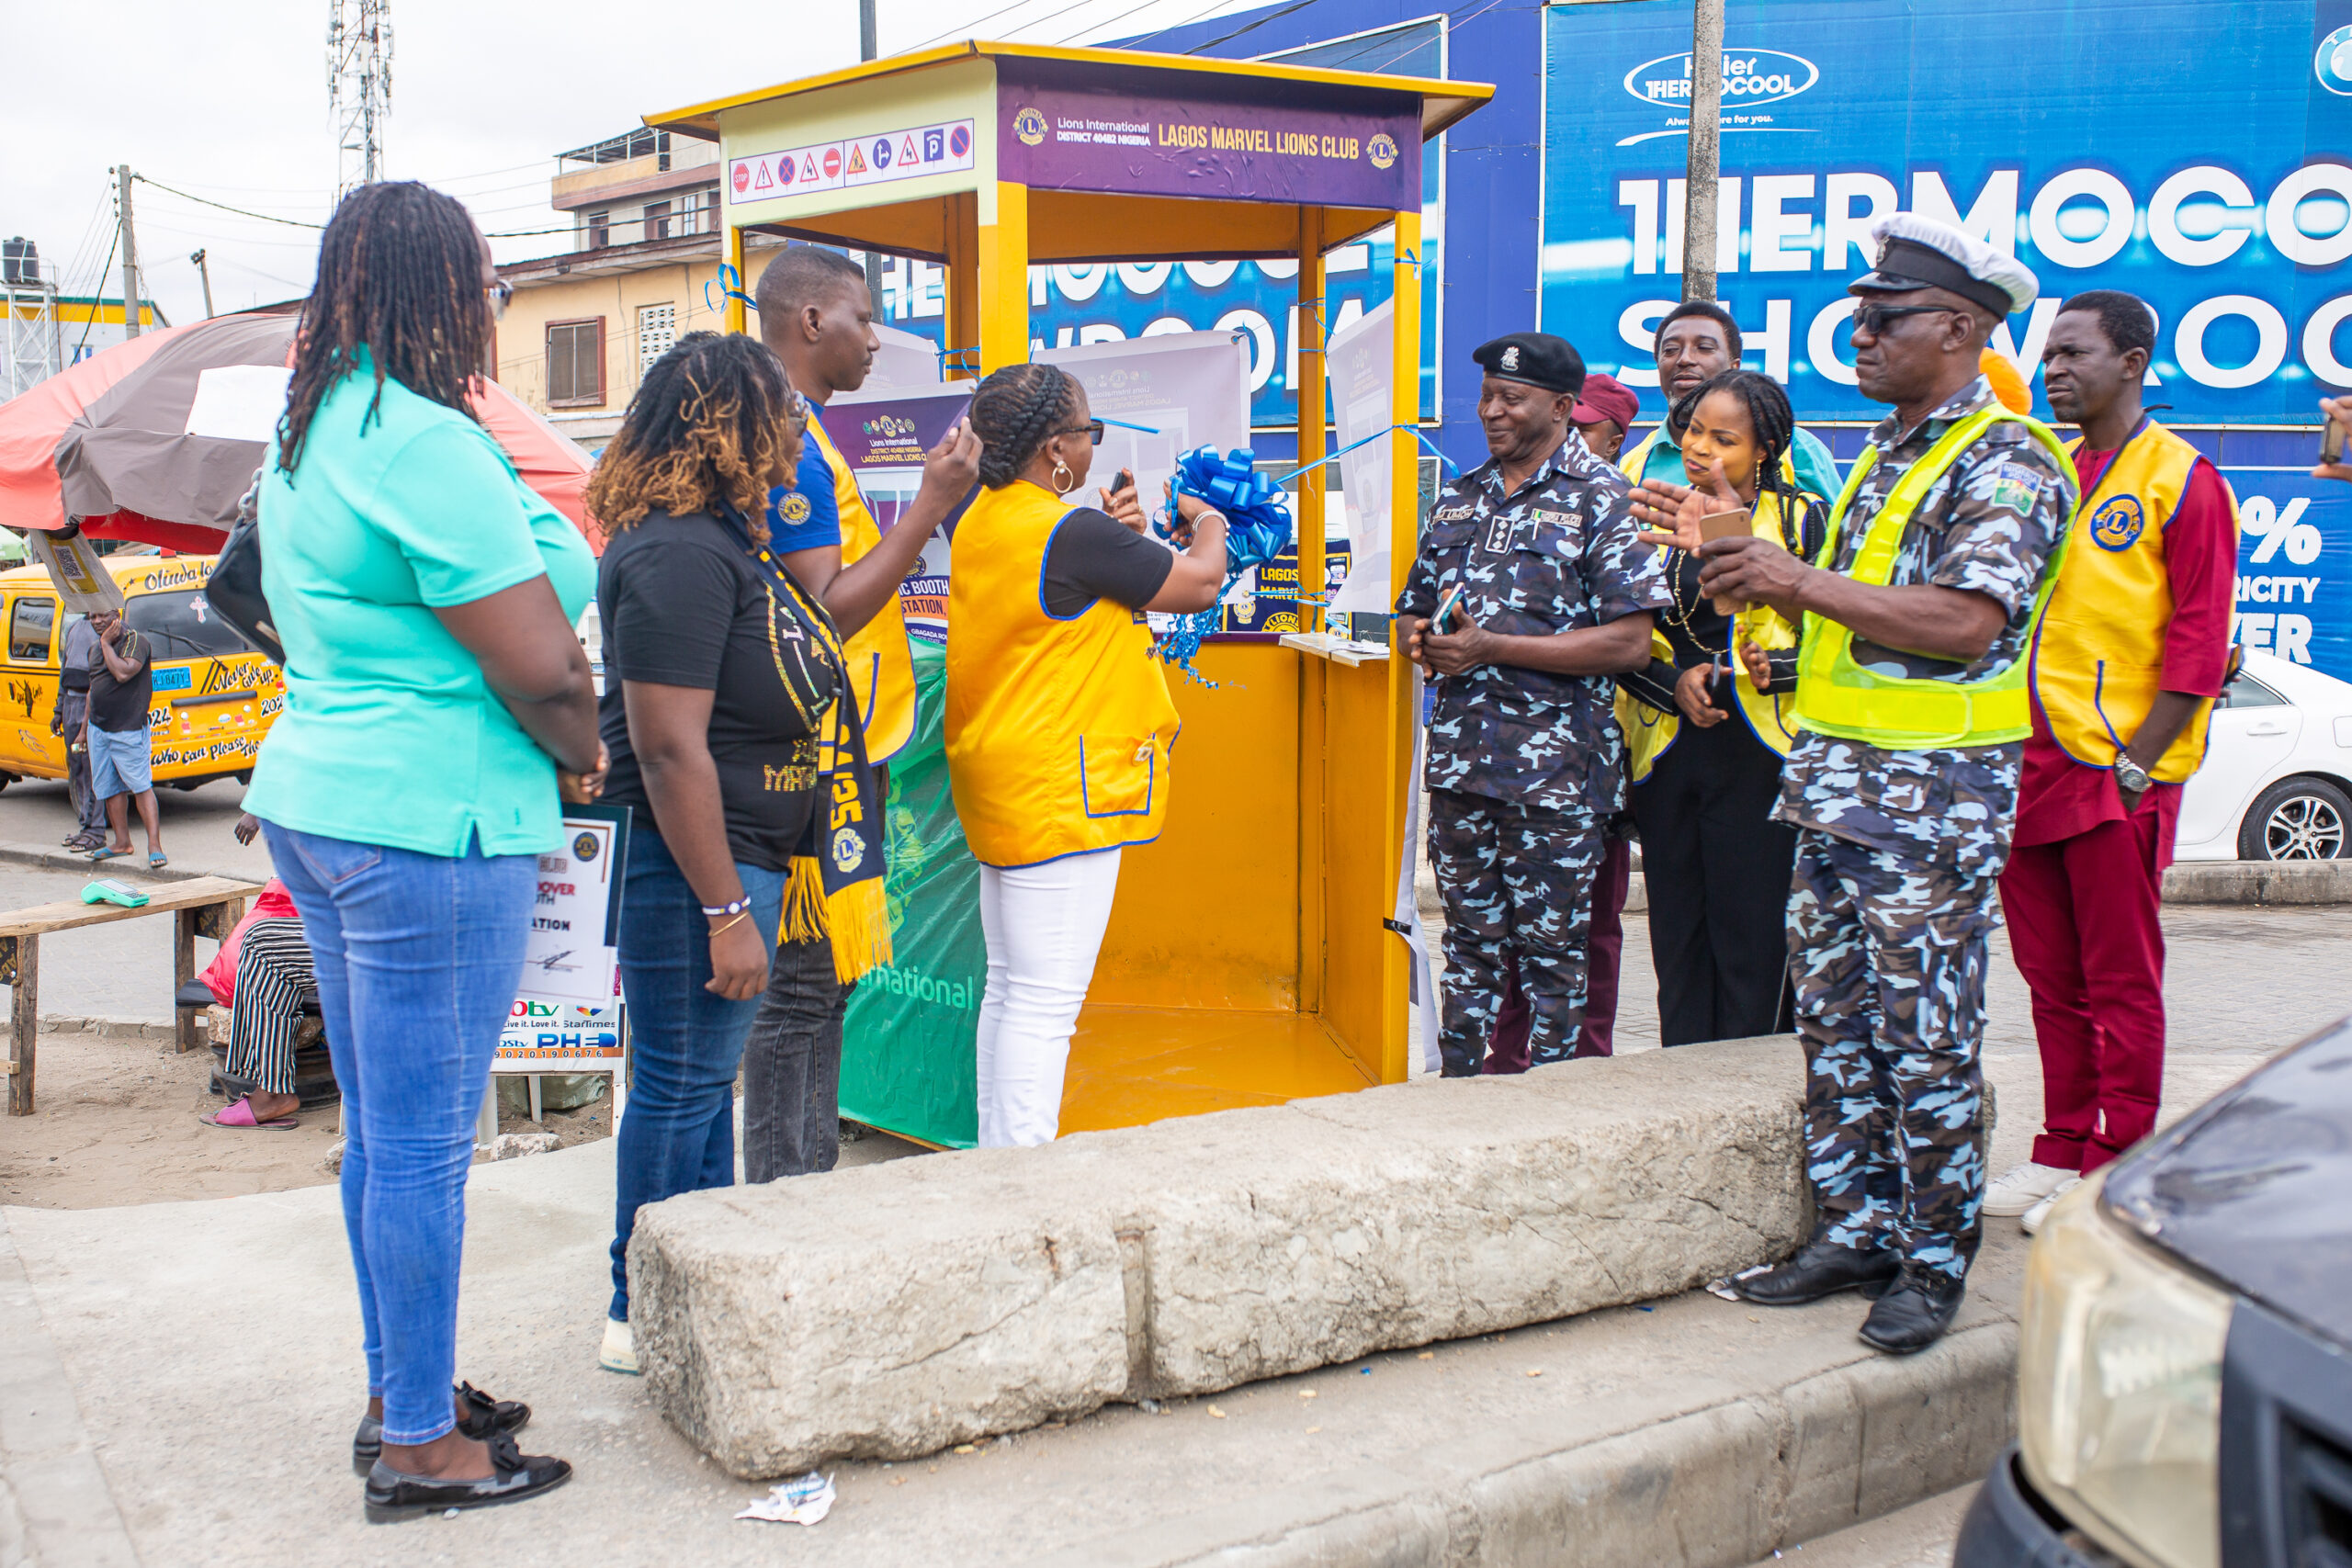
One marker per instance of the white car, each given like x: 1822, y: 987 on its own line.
x: 2276, y: 780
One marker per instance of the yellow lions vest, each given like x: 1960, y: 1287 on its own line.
x: 1057, y: 731
x: 881, y: 665
x: 1900, y: 713
x: 1649, y: 732
x: 2098, y: 659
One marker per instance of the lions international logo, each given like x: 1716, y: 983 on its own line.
x: 793, y: 508
x: 1382, y: 150
x: 1029, y: 125
x: 2116, y: 525
x: 849, y: 849
x: 585, y: 847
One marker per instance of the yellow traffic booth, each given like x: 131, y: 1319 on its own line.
x: 1249, y: 958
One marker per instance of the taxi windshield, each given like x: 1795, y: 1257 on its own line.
x: 182, y: 625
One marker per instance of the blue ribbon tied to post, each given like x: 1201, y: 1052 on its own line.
x: 1258, y: 526
x: 731, y: 287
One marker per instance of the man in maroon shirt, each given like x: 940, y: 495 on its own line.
x: 2131, y: 653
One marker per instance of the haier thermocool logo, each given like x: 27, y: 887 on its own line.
x: 1750, y: 76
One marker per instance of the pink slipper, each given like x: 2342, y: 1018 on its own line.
x: 241, y: 1115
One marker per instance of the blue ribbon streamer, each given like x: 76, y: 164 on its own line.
x: 731, y: 287
x: 1258, y: 526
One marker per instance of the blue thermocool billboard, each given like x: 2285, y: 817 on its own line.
x: 2198, y: 154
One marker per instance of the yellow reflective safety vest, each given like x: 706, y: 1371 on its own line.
x: 1770, y: 718
x: 881, y: 664
x: 2098, y: 658
x: 1837, y: 696
x: 1058, y: 731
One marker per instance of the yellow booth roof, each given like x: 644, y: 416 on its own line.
x: 1123, y: 154
x: 1442, y: 102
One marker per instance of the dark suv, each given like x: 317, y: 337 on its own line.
x: 2185, y: 1357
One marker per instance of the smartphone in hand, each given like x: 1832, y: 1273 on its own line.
x: 1449, y: 607
x: 2331, y: 442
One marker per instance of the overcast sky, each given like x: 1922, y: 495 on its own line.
x: 228, y: 101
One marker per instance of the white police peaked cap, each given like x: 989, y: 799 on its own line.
x: 1921, y: 252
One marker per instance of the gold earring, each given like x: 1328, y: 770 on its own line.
x: 1064, y: 480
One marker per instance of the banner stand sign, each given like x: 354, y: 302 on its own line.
x: 569, y: 1018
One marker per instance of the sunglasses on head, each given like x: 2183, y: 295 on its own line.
x: 1091, y: 430
x: 1872, y: 318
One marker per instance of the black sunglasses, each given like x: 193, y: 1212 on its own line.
x: 1873, y: 318
x: 1092, y: 428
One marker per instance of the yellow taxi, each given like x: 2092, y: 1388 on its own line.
x: 215, y: 696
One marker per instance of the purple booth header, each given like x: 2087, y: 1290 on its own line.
x: 1101, y: 138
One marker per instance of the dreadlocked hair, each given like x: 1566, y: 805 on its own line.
x: 400, y: 280
x: 712, y: 420
x: 1015, y: 412
x: 1774, y: 424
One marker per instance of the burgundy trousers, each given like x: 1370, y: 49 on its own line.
x: 1506, y: 1050
x: 2084, y: 927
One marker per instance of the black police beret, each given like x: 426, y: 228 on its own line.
x: 1537, y: 358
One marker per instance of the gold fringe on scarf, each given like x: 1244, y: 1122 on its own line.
x: 856, y: 919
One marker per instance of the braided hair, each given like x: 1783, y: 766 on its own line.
x: 1774, y: 424
x: 399, y: 279
x: 1015, y: 412
x: 711, y: 421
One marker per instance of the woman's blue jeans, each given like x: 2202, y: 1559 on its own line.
x: 678, y: 1134
x: 418, y: 960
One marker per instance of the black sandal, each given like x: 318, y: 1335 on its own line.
x: 479, y: 1416
x: 391, y: 1496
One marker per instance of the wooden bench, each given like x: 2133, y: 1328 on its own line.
x: 207, y: 907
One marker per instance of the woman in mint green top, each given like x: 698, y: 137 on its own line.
x: 434, y: 692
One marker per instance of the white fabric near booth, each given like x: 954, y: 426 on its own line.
x: 1190, y: 388
x: 1363, y: 370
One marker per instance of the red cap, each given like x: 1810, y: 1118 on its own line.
x: 1607, y: 397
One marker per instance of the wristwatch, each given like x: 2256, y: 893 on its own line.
x: 2130, y: 777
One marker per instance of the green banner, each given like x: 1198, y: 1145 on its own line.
x: 907, y: 1055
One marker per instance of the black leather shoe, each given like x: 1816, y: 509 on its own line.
x: 1914, y: 1312
x: 514, y: 1475
x: 1821, y: 1267
x: 479, y: 1416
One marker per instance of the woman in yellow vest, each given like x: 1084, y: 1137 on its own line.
x: 1059, y: 721
x: 1705, y: 743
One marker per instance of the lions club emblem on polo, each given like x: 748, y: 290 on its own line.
x: 1509, y: 360
x: 848, y: 849
x: 1029, y: 125
x: 1382, y: 150
x: 2116, y: 525
x: 793, y: 508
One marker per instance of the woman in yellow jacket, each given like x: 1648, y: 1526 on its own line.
x: 1059, y: 720
x: 1705, y: 742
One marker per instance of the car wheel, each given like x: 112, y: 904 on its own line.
x: 2302, y: 818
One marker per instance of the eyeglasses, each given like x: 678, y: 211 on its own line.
x: 1092, y: 428
x: 496, y: 294
x: 1873, y: 318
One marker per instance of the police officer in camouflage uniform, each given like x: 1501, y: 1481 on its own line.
x: 1525, y: 761
x: 1910, y: 692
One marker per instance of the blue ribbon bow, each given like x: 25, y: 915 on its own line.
x: 1258, y: 527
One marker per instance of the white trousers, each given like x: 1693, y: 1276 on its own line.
x: 1044, y: 925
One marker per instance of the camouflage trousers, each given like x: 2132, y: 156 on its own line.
x: 1887, y: 955
x: 1517, y: 882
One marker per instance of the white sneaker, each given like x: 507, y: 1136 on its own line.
x: 2019, y: 1190
x: 2031, y: 1219
x: 619, y: 1354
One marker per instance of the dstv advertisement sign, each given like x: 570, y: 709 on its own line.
x: 2197, y: 153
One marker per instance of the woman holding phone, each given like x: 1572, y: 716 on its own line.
x: 1059, y: 720
x: 1706, y: 738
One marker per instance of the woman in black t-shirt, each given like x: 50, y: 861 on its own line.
x: 719, y: 712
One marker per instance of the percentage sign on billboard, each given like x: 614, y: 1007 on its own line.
x: 2274, y: 526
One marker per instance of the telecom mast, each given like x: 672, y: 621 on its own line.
x: 360, y: 87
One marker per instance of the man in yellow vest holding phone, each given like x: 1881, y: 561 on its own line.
x: 816, y: 316
x: 2131, y: 654
x: 1911, y: 703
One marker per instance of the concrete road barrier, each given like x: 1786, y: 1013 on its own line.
x: 893, y: 1310
x: 2259, y: 882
